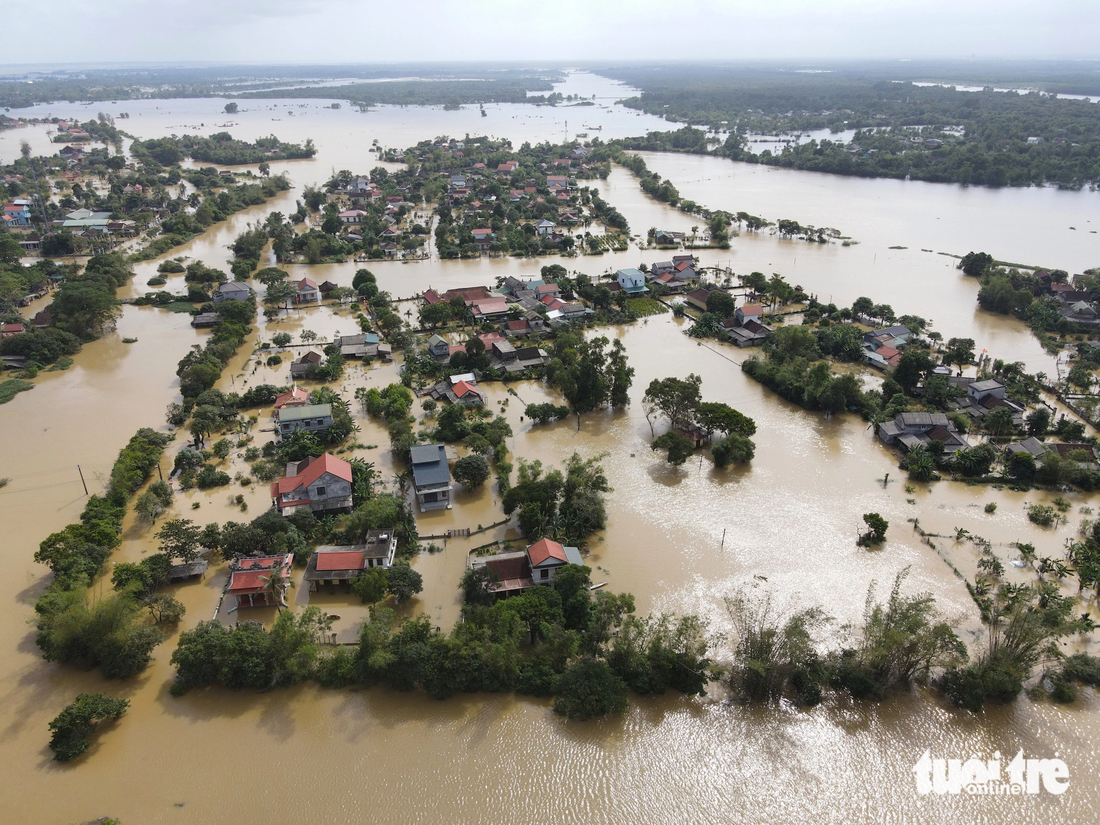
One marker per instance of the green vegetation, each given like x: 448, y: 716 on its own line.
x: 213, y: 208
x: 74, y: 726
x: 10, y: 387
x: 585, y: 651
x: 876, y: 530
x: 74, y: 627
x: 568, y: 507
x: 679, y: 402
x: 587, y: 374
x: 903, y: 130
x: 220, y: 148
x: 794, y: 368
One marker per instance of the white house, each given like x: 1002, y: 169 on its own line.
x: 632, y: 281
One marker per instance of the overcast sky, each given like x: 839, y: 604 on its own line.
x: 367, y: 31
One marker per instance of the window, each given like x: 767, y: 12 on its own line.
x: 320, y: 491
x: 443, y: 494
x: 544, y: 574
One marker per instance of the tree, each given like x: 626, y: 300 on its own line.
x: 1038, y: 421
x: 281, y: 339
x: 721, y: 303
x: 862, y: 307
x: 231, y: 108
x: 976, y: 264
x: 371, y: 587
x: 435, y: 314
x: 279, y: 295
x: 403, y: 582
x: 733, y: 449
x: 716, y: 417
x: 876, y: 529
x: 1021, y: 466
x: 265, y: 169
x: 675, y: 398
x: 589, y: 688
x: 204, y: 420
x: 999, y: 421
x: 73, y: 727
x: 680, y: 447
x: 271, y: 275
x: 471, y: 471
x: 180, y: 538
x: 959, y: 351
x: 911, y: 368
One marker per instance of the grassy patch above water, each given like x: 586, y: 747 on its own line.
x: 10, y: 388
x: 178, y: 306
x: 645, y: 306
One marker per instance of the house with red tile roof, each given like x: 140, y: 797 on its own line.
x: 342, y: 564
x: 514, y: 572
x: 467, y: 392
x: 251, y: 580
x: 320, y: 485
x: 307, y: 291
x: 295, y: 397
x: 8, y: 330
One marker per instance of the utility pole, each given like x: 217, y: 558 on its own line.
x: 82, y: 481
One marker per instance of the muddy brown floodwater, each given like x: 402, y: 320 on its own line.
x: 679, y: 539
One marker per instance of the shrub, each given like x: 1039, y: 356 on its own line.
x: 73, y: 727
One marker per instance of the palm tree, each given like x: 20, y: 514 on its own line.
x: 275, y: 587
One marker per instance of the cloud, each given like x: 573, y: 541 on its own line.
x: 365, y: 31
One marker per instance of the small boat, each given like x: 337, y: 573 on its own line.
x: 597, y: 586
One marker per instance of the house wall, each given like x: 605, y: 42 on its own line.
x: 434, y: 497
x: 537, y: 574
x: 309, y: 424
x: 328, y: 492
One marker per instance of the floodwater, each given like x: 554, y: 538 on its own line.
x: 678, y: 538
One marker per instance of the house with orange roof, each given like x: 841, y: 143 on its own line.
x: 294, y: 397
x: 308, y: 293
x: 342, y: 564
x: 514, y: 572
x: 320, y: 485
x: 260, y: 582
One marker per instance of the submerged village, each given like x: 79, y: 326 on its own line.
x: 333, y: 435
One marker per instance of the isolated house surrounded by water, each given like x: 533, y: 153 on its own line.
x: 233, y: 291
x: 251, y: 580
x: 320, y: 485
x: 308, y: 293
x: 431, y: 476
x: 305, y: 366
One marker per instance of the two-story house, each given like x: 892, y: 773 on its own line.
x: 321, y: 485
x: 632, y: 281
x: 431, y: 476
x: 313, y: 418
x: 308, y: 293
x: 342, y: 564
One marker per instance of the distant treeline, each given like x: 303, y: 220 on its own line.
x: 175, y: 82
x: 422, y: 92
x: 923, y: 132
